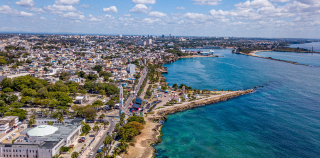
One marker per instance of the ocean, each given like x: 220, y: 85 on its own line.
x: 280, y: 119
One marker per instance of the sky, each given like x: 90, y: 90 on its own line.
x: 223, y: 18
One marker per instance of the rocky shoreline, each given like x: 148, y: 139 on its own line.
x: 160, y: 114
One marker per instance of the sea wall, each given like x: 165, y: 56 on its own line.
x: 161, y: 113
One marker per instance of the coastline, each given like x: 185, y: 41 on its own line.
x: 197, y: 56
x: 149, y: 136
x: 253, y: 53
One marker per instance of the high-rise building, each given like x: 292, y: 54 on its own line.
x: 162, y: 36
x: 120, y: 36
x: 149, y: 41
x: 143, y: 43
x: 131, y: 69
x: 170, y: 35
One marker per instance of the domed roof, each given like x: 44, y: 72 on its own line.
x: 42, y: 130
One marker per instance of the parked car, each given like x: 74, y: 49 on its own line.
x: 91, y: 153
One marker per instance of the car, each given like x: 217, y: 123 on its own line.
x: 91, y: 153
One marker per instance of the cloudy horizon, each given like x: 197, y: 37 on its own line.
x: 237, y: 18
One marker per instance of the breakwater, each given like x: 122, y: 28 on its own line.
x: 161, y: 113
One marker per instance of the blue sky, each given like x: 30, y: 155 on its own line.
x: 238, y: 18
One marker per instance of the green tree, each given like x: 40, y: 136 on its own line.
x: 7, y: 90
x: 97, y: 68
x: 31, y: 122
x: 96, y: 128
x: 75, y: 155
x: 97, y: 103
x: 50, y: 123
x: 3, y: 62
x: 6, y: 82
x: 175, y: 86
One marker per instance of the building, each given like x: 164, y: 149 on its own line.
x: 149, y: 42
x: 43, y: 141
x: 131, y: 68
x: 143, y: 43
x: 7, y: 122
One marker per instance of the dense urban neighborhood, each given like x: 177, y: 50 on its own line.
x: 92, y: 95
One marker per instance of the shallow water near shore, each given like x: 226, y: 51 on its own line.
x: 281, y: 119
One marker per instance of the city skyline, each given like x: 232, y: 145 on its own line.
x: 251, y: 18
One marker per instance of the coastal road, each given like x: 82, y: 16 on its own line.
x: 110, y: 129
x: 137, y: 88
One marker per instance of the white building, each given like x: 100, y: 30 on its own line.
x: 131, y: 69
x: 143, y: 43
x: 149, y: 42
x: 7, y: 122
x: 43, y: 141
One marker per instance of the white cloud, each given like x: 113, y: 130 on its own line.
x: 254, y: 4
x: 180, y: 8
x: 25, y: 3
x: 144, y: 1
x: 310, y: 2
x: 73, y: 15
x: 60, y: 8
x: 84, y: 6
x: 26, y: 14
x: 7, y: 10
x: 112, y: 9
x: 127, y: 15
x: 150, y: 21
x: 206, y: 2
x: 280, y: 0
x: 67, y: 2
x: 38, y: 10
x: 108, y: 16
x: 157, y: 14
x: 140, y: 8
x: 43, y: 18
x: 196, y: 17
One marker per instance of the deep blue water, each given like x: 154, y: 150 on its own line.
x: 315, y: 45
x: 281, y: 119
x: 312, y: 59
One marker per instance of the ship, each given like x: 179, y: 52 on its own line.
x: 210, y: 52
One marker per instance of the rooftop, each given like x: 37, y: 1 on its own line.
x: 42, y: 130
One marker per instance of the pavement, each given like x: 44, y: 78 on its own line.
x: 99, y: 140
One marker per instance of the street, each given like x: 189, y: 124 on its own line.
x: 110, y: 129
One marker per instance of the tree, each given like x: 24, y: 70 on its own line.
x: 107, y: 140
x: 101, y: 117
x: 31, y: 122
x: 7, y: 90
x: 137, y: 119
x: 75, y: 155
x: 97, y: 68
x: 50, y: 123
x: 86, y: 128
x: 175, y: 86
x: 3, y: 62
x: 99, y: 155
x: 96, y: 128
x: 6, y: 82
x: 46, y: 69
x: 97, y: 103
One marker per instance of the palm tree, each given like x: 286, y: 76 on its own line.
x: 75, y: 155
x: 101, y: 117
x: 107, y: 140
x: 50, y: 123
x: 99, y: 155
x: 104, y: 150
x: 31, y: 122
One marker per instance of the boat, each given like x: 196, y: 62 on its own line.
x: 210, y: 52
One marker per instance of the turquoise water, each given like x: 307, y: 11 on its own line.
x: 315, y: 45
x: 281, y: 119
x: 302, y: 58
